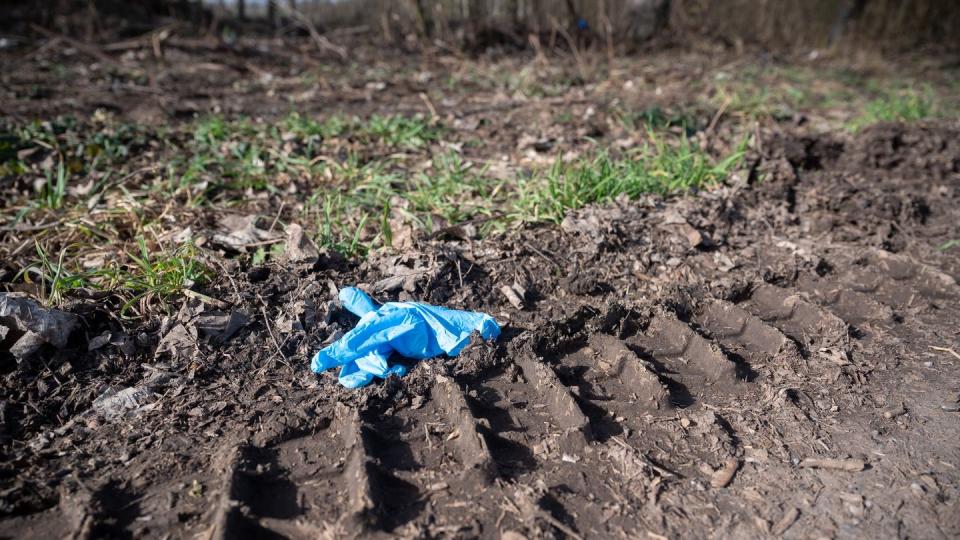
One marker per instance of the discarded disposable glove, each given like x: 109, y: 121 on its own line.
x: 412, y: 329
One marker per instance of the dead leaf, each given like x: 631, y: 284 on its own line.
x: 37, y: 324
x: 299, y: 248
x: 180, y: 342
x: 240, y: 232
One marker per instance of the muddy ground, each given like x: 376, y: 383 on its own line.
x: 772, y: 357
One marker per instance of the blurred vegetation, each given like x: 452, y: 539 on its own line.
x: 478, y: 24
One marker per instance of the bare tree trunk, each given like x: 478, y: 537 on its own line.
x: 513, y: 11
x: 574, y: 14
x: 536, y: 15
x: 424, y: 18
x: 241, y: 9
x: 478, y: 9
x: 849, y: 11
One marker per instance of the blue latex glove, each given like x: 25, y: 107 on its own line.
x: 412, y: 329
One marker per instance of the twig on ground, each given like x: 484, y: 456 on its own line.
x: 263, y: 243
x: 79, y: 45
x: 786, y: 521
x: 322, y: 42
x: 542, y: 254
x: 223, y: 268
x: 577, y: 57
x: 947, y: 350
x: 266, y: 322
x: 217, y: 303
x: 142, y: 40
x: 277, y: 218
x: 716, y: 117
x: 646, y: 460
x: 433, y: 111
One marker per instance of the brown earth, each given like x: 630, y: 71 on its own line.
x: 772, y: 358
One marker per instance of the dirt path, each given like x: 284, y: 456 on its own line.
x: 771, y: 359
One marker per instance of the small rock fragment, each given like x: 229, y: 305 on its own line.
x: 222, y: 326
x: 28, y: 344
x: 895, y: 412
x: 241, y: 232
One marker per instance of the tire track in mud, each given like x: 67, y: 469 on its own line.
x: 708, y: 350
x: 594, y: 424
x: 599, y: 394
x: 298, y: 485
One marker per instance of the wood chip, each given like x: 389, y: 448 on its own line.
x: 512, y: 296
x: 722, y: 477
x: 786, y: 521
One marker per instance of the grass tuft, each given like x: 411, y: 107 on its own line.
x: 400, y: 131
x: 452, y: 191
x: 659, y: 168
x: 904, y: 106
x: 147, y: 275
x: 54, y: 190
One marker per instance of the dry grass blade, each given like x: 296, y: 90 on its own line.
x: 954, y: 353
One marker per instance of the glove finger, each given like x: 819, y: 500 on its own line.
x: 452, y: 328
x: 351, y: 376
x: 375, y: 362
x: 398, y: 369
x: 323, y: 361
x: 356, y: 301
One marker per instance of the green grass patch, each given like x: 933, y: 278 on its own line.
x: 54, y: 190
x: 758, y: 100
x: 909, y: 105
x: 308, y: 131
x: 451, y: 192
x: 148, y: 274
x: 659, y: 168
x: 341, y: 209
x: 399, y: 131
x: 653, y: 118
x: 949, y: 244
x: 351, y: 182
x: 224, y: 156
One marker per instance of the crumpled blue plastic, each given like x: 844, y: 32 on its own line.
x: 412, y: 329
